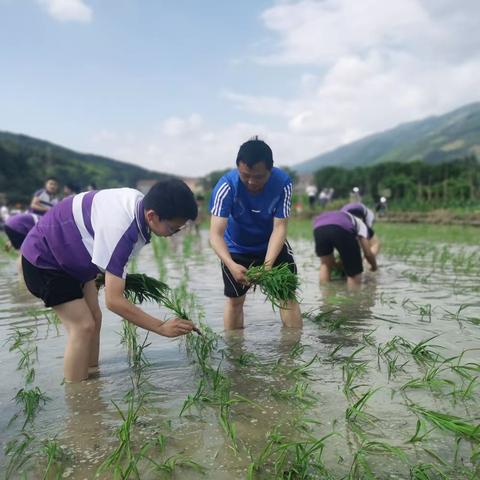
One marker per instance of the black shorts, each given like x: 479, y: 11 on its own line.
x: 329, y: 237
x: 232, y: 289
x: 16, y: 239
x: 54, y: 287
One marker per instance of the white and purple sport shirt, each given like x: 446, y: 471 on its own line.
x: 89, y: 233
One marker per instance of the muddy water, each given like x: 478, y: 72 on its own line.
x: 409, y: 297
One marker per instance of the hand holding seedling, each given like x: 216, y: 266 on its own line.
x: 174, y: 327
x: 239, y: 273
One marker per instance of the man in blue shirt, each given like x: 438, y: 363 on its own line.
x: 250, y: 207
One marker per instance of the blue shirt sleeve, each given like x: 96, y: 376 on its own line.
x: 284, y: 204
x: 222, y: 199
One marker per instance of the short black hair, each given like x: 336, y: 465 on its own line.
x: 255, y: 151
x: 51, y: 177
x: 171, y: 198
x: 73, y: 187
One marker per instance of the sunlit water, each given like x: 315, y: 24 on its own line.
x: 412, y: 299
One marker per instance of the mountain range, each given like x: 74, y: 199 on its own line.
x: 435, y: 139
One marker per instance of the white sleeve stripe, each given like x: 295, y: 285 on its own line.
x: 287, y: 199
x: 219, y: 197
x: 80, y: 222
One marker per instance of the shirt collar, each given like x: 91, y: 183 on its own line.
x: 141, y: 223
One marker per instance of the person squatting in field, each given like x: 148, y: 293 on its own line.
x: 367, y: 216
x: 93, y: 232
x: 249, y: 210
x: 347, y: 234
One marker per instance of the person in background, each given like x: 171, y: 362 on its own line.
x: 355, y: 196
x: 366, y: 215
x: 70, y: 189
x: 348, y: 235
x: 311, y: 191
x: 17, y: 227
x: 381, y: 206
x: 249, y: 208
x: 95, y: 232
x: 44, y: 199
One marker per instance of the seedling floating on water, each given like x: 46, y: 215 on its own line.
x: 30, y: 399
x: 278, y: 284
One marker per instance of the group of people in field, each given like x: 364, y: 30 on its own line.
x: 67, y: 244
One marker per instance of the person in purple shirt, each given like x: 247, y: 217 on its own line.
x: 17, y: 227
x: 347, y: 234
x: 367, y: 216
x: 93, y: 232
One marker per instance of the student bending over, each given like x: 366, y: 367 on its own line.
x: 99, y: 231
x: 346, y: 234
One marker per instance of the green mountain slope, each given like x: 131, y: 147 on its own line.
x: 434, y: 139
x: 26, y: 161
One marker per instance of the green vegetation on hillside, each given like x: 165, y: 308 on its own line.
x: 415, y: 185
x: 26, y: 161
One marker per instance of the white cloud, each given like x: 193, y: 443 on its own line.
x: 68, y: 10
x: 361, y: 66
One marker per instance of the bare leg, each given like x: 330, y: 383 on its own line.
x: 327, y: 262
x: 91, y: 297
x: 291, y: 315
x: 233, y: 313
x: 375, y: 245
x: 80, y: 325
x: 353, y: 283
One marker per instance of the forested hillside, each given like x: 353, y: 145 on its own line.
x: 26, y: 161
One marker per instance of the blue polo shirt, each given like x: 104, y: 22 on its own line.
x: 250, y: 216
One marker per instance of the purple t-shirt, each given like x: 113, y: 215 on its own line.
x: 343, y: 220
x: 22, y: 222
x: 88, y: 233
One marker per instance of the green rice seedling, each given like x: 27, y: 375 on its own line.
x: 303, y: 370
x: 200, y: 396
x: 140, y: 288
x: 393, y: 367
x: 291, y: 459
x: 187, y: 245
x: 361, y: 468
x: 449, y: 423
x: 430, y: 379
x: 351, y: 371
x: 421, y: 432
x: 368, y: 337
x: 245, y: 359
x: 296, y: 350
x: 422, y: 471
x: 19, y: 452
x: 425, y: 311
x: 56, y: 458
x: 160, y: 248
x: 123, y: 453
x: 30, y: 401
x: 279, y: 284
x: 355, y: 411
x: 171, y: 464
x: 299, y: 393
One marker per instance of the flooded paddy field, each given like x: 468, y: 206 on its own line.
x: 383, y: 383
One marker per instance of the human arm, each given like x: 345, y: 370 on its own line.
x: 36, y: 204
x: 117, y: 303
x: 367, y: 252
x: 217, y: 241
x: 277, y: 240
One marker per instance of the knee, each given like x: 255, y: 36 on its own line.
x: 236, y: 303
x: 85, y: 329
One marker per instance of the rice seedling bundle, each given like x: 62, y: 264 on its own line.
x: 278, y: 284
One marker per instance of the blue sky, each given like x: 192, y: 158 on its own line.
x: 177, y: 86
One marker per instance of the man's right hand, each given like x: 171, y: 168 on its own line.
x: 175, y: 327
x: 238, y: 273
